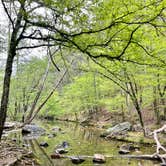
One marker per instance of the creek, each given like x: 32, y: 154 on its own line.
x: 82, y: 141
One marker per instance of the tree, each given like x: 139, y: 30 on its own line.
x: 106, y: 36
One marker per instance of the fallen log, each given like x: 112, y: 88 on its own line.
x: 140, y: 157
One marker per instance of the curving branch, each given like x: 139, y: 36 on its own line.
x: 52, y: 59
x: 8, y: 14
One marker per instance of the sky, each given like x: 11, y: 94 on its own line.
x: 31, y: 53
x: 3, y: 21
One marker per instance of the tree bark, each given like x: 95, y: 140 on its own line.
x: 8, y: 70
x: 6, y: 89
x: 28, y: 121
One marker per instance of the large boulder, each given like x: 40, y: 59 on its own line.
x: 121, y: 127
x: 32, y: 129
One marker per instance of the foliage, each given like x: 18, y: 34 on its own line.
x: 124, y: 42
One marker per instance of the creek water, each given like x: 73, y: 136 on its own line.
x: 82, y: 141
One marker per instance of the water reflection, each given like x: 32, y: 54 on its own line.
x: 82, y: 141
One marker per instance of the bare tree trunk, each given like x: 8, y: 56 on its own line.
x: 6, y: 89
x: 44, y: 102
x: 136, y: 101
x: 37, y: 97
x: 164, y: 107
x: 140, y: 117
x: 8, y: 70
x: 155, y: 106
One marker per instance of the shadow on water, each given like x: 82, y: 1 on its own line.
x: 82, y: 141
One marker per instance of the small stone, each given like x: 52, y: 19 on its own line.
x: 99, y: 158
x: 26, y: 145
x: 56, y: 156
x: 51, y: 135
x: 44, y: 144
x: 77, y: 160
x: 64, y: 144
x: 56, y: 129
x: 124, y: 151
x: 9, y: 125
x: 127, y: 148
x: 61, y: 151
x: 14, y: 139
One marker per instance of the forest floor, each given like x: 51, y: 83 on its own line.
x: 13, y: 155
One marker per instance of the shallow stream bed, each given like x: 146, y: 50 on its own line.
x: 82, y: 141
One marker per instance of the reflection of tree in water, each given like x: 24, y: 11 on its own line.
x: 40, y: 152
x: 87, y: 134
x: 42, y: 155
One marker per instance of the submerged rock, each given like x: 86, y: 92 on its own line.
x: 33, y: 129
x: 127, y: 148
x: 44, y: 144
x: 56, y: 129
x: 123, y: 151
x: 64, y: 144
x: 121, y: 127
x: 61, y: 151
x: 77, y: 160
x: 52, y: 135
x: 99, y: 158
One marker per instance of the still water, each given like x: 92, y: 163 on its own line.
x: 82, y: 141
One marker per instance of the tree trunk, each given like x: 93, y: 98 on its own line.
x: 164, y: 107
x: 37, y: 97
x: 28, y: 121
x: 8, y: 70
x: 6, y: 89
x: 155, y: 106
x: 140, y: 117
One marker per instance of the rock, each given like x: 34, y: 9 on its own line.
x: 137, y: 127
x: 56, y: 156
x: 123, y: 151
x: 127, y: 148
x: 14, y: 139
x: 44, y: 144
x: 56, y: 129
x: 99, y: 158
x: 49, y: 118
x: 32, y: 129
x: 61, y: 151
x: 26, y: 145
x: 52, y: 135
x: 64, y: 144
x: 9, y: 125
x: 125, y: 126
x: 77, y: 160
